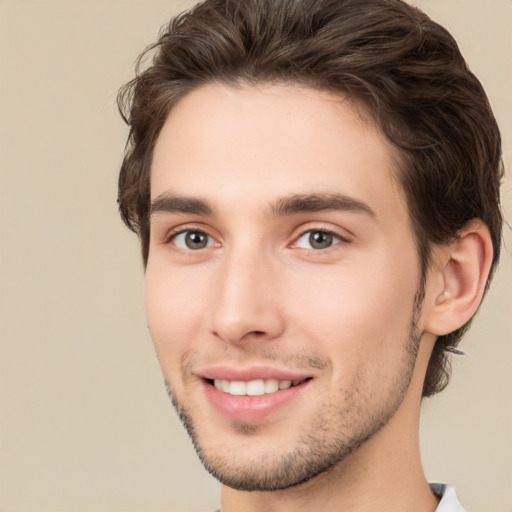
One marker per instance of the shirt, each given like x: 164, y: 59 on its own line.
x: 449, y: 501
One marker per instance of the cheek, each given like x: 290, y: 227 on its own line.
x: 359, y: 314
x: 174, y: 309
x: 349, y: 296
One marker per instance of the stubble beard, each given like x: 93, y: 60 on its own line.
x: 319, y: 448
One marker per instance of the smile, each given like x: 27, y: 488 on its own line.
x: 254, y: 387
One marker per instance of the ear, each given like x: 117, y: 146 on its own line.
x: 456, y: 282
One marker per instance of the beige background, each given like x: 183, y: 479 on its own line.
x: 85, y: 422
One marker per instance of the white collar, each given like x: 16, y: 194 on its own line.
x: 449, y: 501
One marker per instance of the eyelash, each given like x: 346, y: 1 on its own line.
x: 336, y: 236
x: 173, y: 235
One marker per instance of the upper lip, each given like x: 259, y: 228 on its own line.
x: 247, y: 374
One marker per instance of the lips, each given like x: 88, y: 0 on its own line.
x: 251, y: 395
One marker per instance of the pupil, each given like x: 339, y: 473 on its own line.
x: 196, y: 240
x: 320, y: 240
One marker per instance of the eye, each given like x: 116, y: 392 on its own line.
x: 192, y: 240
x: 317, y: 239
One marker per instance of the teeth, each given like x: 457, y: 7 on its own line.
x: 253, y: 387
x: 271, y: 385
x: 237, y: 388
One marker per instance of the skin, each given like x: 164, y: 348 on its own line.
x: 350, y: 316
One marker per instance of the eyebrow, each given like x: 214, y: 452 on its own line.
x: 298, y: 203
x: 288, y: 205
x: 173, y: 203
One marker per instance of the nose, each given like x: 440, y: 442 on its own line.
x: 247, y: 302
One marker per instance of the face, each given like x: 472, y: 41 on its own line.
x: 282, y: 280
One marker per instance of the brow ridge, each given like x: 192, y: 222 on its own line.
x: 288, y: 205
x: 174, y: 203
x: 297, y: 203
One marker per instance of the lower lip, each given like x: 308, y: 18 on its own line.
x: 250, y: 409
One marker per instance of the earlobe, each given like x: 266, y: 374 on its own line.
x: 461, y: 269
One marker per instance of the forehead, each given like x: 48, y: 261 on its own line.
x: 248, y: 145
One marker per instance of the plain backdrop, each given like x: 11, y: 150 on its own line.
x: 85, y: 423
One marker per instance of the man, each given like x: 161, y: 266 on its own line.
x: 316, y: 189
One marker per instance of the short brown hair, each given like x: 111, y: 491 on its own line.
x: 406, y: 69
